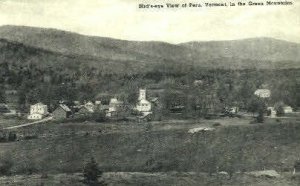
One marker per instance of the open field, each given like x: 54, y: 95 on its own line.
x: 55, y: 128
x: 155, y: 146
x: 7, y: 121
x: 234, y: 145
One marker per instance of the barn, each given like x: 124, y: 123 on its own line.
x: 62, y: 112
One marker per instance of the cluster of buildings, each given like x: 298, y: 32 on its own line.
x: 273, y: 111
x: 117, y: 109
x: 285, y: 109
x: 113, y: 109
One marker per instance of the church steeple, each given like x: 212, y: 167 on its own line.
x: 142, y: 94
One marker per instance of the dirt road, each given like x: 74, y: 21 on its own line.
x: 31, y: 123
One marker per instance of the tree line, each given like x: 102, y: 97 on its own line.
x: 199, y: 90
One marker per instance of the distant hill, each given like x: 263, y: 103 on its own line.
x: 255, y: 48
x: 67, y: 47
x: 18, y: 53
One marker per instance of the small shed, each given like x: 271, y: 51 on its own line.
x: 272, y: 112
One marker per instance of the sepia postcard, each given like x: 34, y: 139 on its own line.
x: 149, y: 92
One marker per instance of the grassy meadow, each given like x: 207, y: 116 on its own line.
x: 154, y: 148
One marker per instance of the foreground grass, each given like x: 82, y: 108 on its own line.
x: 150, y: 179
x: 156, y: 147
x: 234, y: 146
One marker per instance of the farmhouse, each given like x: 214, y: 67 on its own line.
x: 263, y: 93
x: 62, y: 112
x: 38, y: 111
x: 143, y: 105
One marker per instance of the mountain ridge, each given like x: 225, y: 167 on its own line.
x: 145, y: 41
x: 266, y: 51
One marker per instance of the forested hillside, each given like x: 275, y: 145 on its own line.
x: 50, y: 65
x: 249, y: 53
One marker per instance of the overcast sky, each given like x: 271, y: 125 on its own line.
x: 123, y: 20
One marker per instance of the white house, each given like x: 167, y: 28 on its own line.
x: 90, y: 106
x: 233, y: 110
x: 114, y: 106
x: 38, y: 111
x: 263, y: 93
x: 287, y: 109
x: 143, y: 105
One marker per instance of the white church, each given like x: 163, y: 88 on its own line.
x: 143, y: 105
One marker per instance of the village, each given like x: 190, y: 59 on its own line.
x: 203, y: 121
x: 143, y: 110
x: 115, y: 109
x: 149, y: 93
x: 83, y: 123
x: 206, y: 122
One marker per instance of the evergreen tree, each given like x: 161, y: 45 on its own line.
x: 2, y: 96
x: 91, y: 173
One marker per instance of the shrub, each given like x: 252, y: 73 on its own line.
x: 269, y: 112
x: 211, y: 165
x: 2, y: 136
x: 217, y: 124
x: 44, y: 176
x: 99, y: 117
x: 5, y: 165
x: 12, y: 136
x: 260, y: 117
x: 28, y: 167
x: 153, y: 166
x: 279, y: 109
x: 91, y: 173
x: 297, y: 166
x: 30, y: 137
